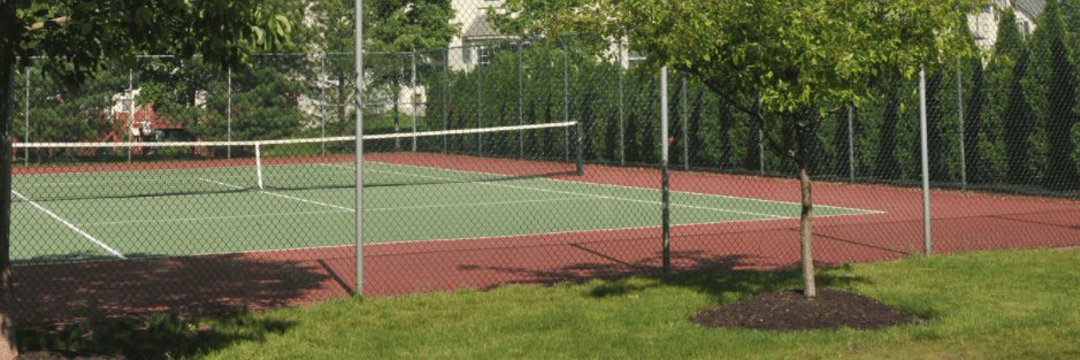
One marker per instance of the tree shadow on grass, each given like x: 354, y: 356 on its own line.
x: 151, y: 306
x: 725, y: 278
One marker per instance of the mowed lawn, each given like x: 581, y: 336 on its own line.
x: 1012, y: 305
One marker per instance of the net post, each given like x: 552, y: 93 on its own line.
x: 665, y: 181
x: 259, y: 166
x: 579, y: 145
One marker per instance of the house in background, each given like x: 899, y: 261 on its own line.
x: 984, y: 24
x: 472, y: 47
x: 139, y: 123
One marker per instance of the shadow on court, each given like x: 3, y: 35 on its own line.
x: 187, y: 286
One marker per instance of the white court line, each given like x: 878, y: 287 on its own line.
x: 597, y: 196
x: 206, y: 218
x: 477, y: 238
x: 131, y: 181
x: 336, y: 211
x: 281, y: 196
x: 69, y: 225
x: 861, y: 211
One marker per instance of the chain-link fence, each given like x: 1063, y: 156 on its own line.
x: 178, y: 185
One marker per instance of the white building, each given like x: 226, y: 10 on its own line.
x: 984, y: 24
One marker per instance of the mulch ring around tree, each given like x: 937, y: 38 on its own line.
x: 790, y: 310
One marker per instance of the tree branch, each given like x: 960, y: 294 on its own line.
x: 60, y: 21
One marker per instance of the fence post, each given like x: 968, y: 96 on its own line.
x: 851, y: 141
x: 479, y: 99
x: 228, y: 116
x: 521, y: 100
x: 665, y: 192
x: 566, y: 100
x: 685, y: 105
x: 925, y: 162
x: 622, y: 104
x: 760, y: 138
x: 397, y: 97
x: 358, y: 44
x: 322, y: 100
x: 26, y: 116
x: 131, y: 111
x: 960, y: 113
x: 446, y: 101
x: 412, y: 94
x: 579, y: 142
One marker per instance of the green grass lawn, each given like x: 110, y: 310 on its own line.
x: 1016, y: 304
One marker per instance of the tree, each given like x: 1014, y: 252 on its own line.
x: 1009, y: 114
x: 82, y: 37
x: 1051, y: 88
x: 392, y: 26
x: 973, y: 124
x: 806, y: 58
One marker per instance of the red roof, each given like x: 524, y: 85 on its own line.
x: 147, y: 113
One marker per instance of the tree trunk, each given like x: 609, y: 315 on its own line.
x: 7, y: 86
x: 804, y: 134
x: 806, y: 233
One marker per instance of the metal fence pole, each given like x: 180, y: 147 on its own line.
x: 925, y: 162
x: 131, y: 112
x: 228, y: 116
x: 322, y: 105
x: 761, y: 149
x: 851, y: 142
x: 479, y: 100
x: 685, y: 105
x: 622, y: 105
x: 397, y: 102
x: 521, y: 99
x: 760, y: 138
x: 665, y: 192
x: 566, y: 100
x: 26, y: 118
x: 359, y: 68
x: 446, y: 101
x: 960, y: 113
x: 412, y: 93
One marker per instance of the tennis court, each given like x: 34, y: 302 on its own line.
x: 198, y: 210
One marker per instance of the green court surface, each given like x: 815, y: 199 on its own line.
x: 209, y: 210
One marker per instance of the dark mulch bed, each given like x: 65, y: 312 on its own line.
x: 790, y: 310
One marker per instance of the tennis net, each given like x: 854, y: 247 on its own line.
x: 76, y: 171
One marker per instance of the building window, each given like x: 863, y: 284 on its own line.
x: 486, y: 55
